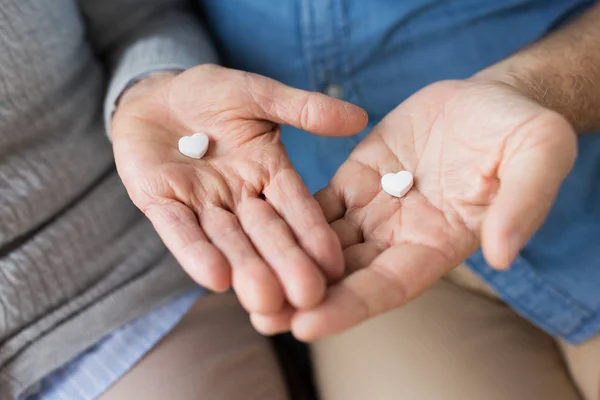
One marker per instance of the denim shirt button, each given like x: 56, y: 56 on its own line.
x: 334, y: 91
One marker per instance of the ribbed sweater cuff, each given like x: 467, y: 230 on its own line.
x: 171, y: 44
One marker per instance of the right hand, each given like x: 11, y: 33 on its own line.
x: 241, y: 215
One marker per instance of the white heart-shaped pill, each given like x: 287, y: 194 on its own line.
x: 194, y: 146
x: 397, y: 184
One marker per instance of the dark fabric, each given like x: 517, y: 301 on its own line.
x: 294, y: 358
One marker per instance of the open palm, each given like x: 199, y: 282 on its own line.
x: 487, y: 163
x: 241, y: 214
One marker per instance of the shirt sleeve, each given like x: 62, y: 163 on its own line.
x: 137, y: 37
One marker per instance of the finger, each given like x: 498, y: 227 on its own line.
x: 529, y: 183
x: 360, y: 256
x: 396, y: 276
x: 332, y: 203
x: 255, y: 284
x: 354, y: 183
x: 348, y: 233
x: 301, y: 279
x: 311, y: 111
x: 353, y: 186
x: 288, y: 195
x: 272, y: 324
x: 179, y: 229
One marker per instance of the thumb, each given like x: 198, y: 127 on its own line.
x: 529, y: 183
x: 311, y: 111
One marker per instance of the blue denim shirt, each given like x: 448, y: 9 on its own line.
x: 376, y: 54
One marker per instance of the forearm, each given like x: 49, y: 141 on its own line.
x: 561, y: 71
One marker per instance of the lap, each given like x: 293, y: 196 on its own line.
x: 584, y: 363
x: 213, y: 353
x: 451, y: 343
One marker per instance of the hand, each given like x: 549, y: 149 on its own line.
x: 241, y: 215
x: 487, y: 163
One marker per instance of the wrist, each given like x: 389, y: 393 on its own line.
x: 545, y: 85
x: 143, y: 96
x: 144, y: 86
x: 509, y: 73
x: 560, y: 72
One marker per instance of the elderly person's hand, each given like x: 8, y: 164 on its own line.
x: 487, y: 163
x: 241, y: 215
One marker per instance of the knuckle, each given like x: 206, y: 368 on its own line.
x: 274, y: 166
x: 397, y: 292
x: 167, y: 214
x: 307, y: 117
x: 146, y: 192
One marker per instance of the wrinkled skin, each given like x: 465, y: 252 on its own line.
x: 241, y: 215
x: 487, y: 163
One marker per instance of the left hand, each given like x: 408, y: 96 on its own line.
x: 487, y: 163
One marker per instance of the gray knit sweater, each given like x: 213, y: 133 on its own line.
x: 76, y: 258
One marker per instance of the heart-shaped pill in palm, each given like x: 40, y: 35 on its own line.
x: 397, y: 184
x: 194, y: 146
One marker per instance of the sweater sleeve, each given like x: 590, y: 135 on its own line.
x: 137, y: 37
